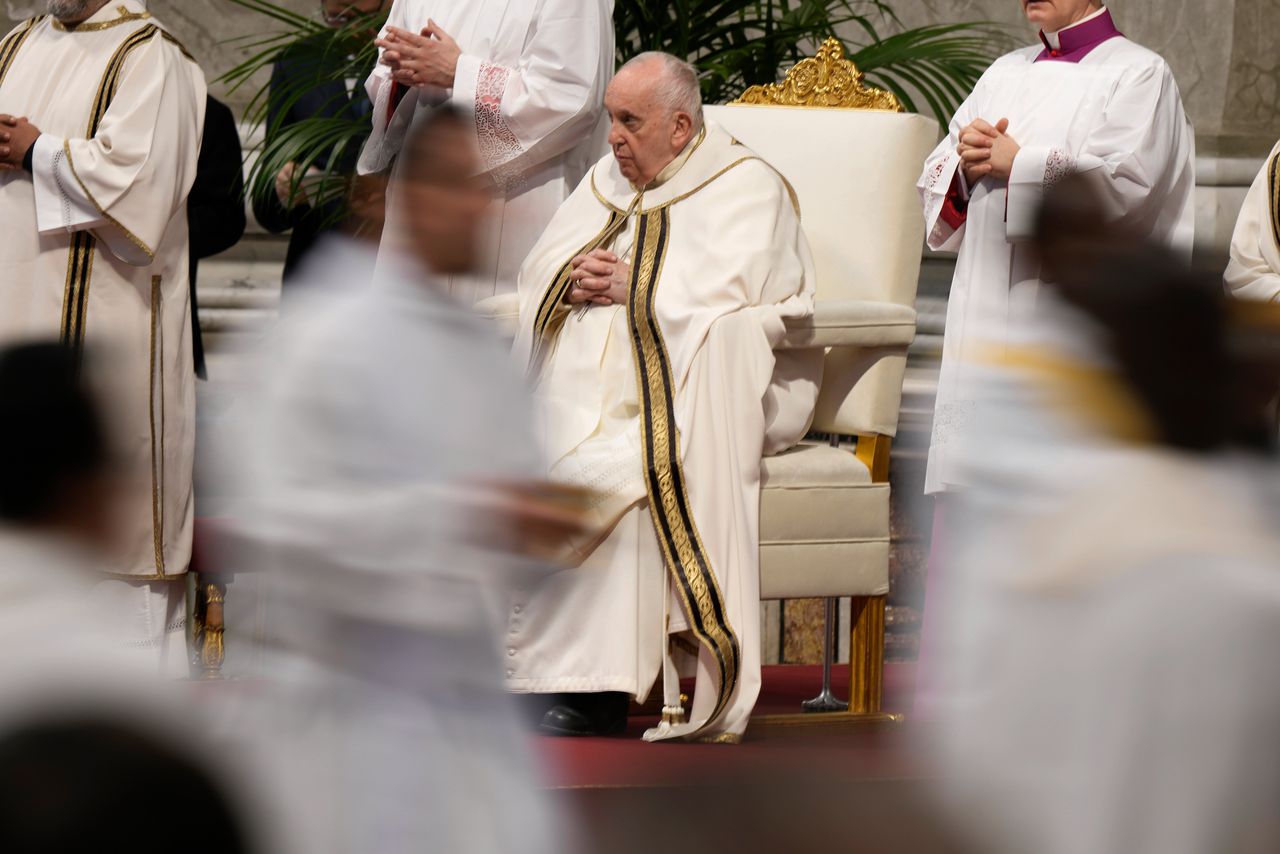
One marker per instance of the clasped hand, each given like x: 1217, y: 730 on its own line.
x: 599, y: 278
x: 17, y: 135
x: 987, y: 151
x: 429, y: 58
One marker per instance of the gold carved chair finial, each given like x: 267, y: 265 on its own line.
x: 825, y: 80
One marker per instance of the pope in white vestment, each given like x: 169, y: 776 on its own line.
x: 1087, y: 101
x: 661, y: 402
x: 95, y: 251
x: 532, y: 76
x: 1254, y: 270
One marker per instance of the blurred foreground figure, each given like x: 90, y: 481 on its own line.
x: 385, y: 466
x: 648, y: 315
x: 1254, y: 271
x: 1108, y: 683
x: 529, y: 76
x: 101, y: 112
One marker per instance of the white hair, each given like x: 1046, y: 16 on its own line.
x: 679, y: 90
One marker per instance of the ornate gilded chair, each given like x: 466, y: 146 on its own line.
x: 852, y: 156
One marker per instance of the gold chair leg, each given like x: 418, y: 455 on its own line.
x: 212, y: 597
x: 866, y: 655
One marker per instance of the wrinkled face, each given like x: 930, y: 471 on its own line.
x: 339, y: 13
x: 1054, y: 15
x: 74, y: 11
x: 643, y: 132
x: 444, y: 201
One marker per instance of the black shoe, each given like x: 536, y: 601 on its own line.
x: 587, y: 715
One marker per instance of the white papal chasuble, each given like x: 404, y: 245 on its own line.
x: 1087, y: 102
x: 1254, y: 270
x: 663, y: 409
x: 532, y: 75
x: 95, y: 244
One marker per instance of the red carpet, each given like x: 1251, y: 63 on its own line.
x: 859, y: 751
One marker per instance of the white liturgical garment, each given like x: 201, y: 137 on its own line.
x: 1254, y: 271
x: 1096, y: 105
x: 95, y: 243
x: 663, y: 410
x: 532, y: 75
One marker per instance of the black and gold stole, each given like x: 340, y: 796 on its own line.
x: 1273, y: 196
x: 83, y: 244
x: 13, y: 43
x: 683, y: 551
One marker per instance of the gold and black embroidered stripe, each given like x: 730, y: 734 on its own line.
x: 75, y: 298
x: 683, y: 551
x: 157, y: 426
x: 1273, y: 196
x: 10, y: 46
x: 552, y: 309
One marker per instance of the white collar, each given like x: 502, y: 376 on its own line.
x: 1052, y: 38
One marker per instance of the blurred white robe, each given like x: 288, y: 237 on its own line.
x: 384, y: 720
x: 1107, y: 683
x: 717, y: 247
x: 1254, y: 270
x: 95, y: 248
x: 532, y: 75
x: 1115, y: 117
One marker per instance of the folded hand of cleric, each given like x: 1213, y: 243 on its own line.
x: 17, y: 136
x: 429, y: 58
x: 599, y: 278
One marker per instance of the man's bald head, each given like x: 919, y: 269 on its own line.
x: 655, y: 109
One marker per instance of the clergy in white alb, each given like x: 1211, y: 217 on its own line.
x: 531, y: 75
x: 1086, y: 101
x: 101, y: 112
x: 1254, y: 270
x: 648, y: 313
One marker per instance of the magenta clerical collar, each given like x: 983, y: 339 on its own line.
x: 1077, y: 42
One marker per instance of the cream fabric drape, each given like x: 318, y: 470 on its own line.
x: 1254, y: 270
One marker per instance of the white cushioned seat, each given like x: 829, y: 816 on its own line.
x: 819, y: 510
x: 852, y: 323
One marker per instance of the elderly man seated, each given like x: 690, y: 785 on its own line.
x: 648, y: 314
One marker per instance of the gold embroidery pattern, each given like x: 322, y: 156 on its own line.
x: 9, y: 47
x: 682, y: 546
x: 156, y: 377
x: 552, y: 310
x: 680, y: 198
x: 1273, y: 182
x: 83, y: 245
x: 125, y: 17
x: 825, y: 80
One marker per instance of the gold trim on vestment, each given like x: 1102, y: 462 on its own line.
x: 1273, y: 186
x: 826, y: 80
x: 155, y: 377
x: 669, y: 507
x: 13, y: 43
x: 75, y: 297
x: 680, y: 198
x: 133, y: 238
x: 125, y: 17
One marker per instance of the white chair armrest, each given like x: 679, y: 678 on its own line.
x: 504, y: 310
x: 852, y: 323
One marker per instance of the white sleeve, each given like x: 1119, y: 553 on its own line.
x: 61, y: 203
x: 1254, y: 270
x: 1138, y: 159
x: 940, y: 169
x: 545, y: 104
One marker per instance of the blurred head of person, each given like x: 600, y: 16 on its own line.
x: 442, y: 196
x: 367, y: 207
x: 75, y: 785
x: 655, y: 109
x: 57, y: 474
x: 342, y: 13
x: 74, y: 11
x: 1168, y: 329
x: 1054, y: 15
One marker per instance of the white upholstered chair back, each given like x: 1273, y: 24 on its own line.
x: 854, y: 173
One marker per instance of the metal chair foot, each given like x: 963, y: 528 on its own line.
x: 827, y: 701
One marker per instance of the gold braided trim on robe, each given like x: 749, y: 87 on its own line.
x: 10, y: 46
x: 682, y: 548
x: 84, y: 244
x: 1273, y: 189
